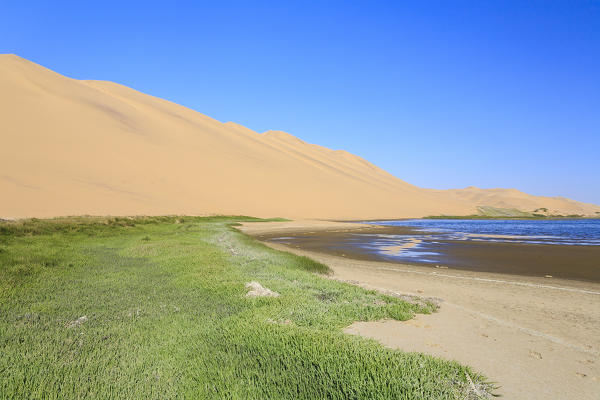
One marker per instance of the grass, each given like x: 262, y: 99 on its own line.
x: 166, y: 317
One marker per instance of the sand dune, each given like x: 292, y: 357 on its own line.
x: 513, y: 198
x: 74, y: 147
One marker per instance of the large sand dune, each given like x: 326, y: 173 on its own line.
x: 73, y: 147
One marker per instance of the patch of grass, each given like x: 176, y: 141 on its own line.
x: 168, y: 318
x: 34, y: 226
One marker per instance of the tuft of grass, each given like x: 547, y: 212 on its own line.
x: 88, y: 308
x: 311, y: 265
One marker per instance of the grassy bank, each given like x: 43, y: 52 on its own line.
x: 156, y: 308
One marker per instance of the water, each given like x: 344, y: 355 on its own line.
x: 565, y: 248
x: 559, y: 232
x: 430, y: 240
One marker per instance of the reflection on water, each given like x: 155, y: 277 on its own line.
x: 400, y: 247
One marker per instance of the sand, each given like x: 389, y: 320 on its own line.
x: 537, y: 338
x: 73, y: 147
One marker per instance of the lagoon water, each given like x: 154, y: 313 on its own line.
x: 430, y: 240
x: 567, y: 248
x: 550, y: 231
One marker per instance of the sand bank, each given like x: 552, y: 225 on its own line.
x: 301, y: 226
x: 536, y: 337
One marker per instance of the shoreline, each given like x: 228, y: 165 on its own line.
x: 550, y: 261
x: 536, y: 337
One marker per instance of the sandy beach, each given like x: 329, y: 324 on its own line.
x: 536, y: 337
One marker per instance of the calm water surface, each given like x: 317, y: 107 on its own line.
x: 560, y: 232
x: 562, y: 248
x: 430, y: 237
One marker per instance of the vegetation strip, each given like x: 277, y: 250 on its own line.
x: 156, y: 307
x: 487, y: 212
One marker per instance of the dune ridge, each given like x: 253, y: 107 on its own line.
x: 73, y: 147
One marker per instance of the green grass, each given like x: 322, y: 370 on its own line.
x: 167, y: 318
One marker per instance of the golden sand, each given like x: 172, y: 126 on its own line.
x: 72, y: 147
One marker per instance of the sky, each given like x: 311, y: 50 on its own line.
x: 442, y: 94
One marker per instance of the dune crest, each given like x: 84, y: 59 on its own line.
x: 73, y: 147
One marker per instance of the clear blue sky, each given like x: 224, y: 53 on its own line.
x: 442, y: 94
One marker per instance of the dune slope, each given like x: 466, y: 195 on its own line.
x: 75, y: 147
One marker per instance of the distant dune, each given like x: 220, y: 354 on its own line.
x: 72, y: 147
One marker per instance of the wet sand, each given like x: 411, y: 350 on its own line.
x: 557, y: 261
x: 536, y: 337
